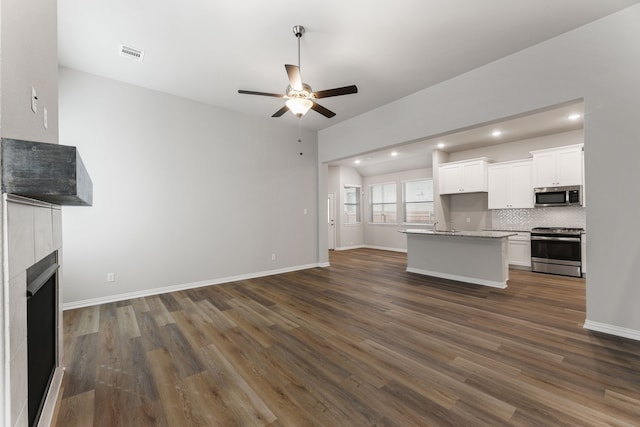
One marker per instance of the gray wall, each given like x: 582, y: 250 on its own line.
x: 184, y: 193
x: 29, y: 57
x: 349, y: 235
x: 387, y: 236
x: 599, y: 62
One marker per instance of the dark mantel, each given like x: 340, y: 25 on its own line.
x: 51, y: 173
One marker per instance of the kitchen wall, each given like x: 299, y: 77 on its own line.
x: 470, y: 211
x: 526, y: 219
x: 184, y: 193
x: 598, y: 62
x: 387, y: 236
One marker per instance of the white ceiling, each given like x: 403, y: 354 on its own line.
x: 418, y: 154
x: 207, y: 50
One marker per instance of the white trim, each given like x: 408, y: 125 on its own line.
x: 346, y: 248
x: 324, y: 264
x: 474, y: 280
x: 612, y: 330
x: 384, y: 248
x: 184, y: 286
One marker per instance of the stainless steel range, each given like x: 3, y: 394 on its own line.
x: 557, y: 250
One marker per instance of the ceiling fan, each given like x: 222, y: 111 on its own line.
x: 300, y: 98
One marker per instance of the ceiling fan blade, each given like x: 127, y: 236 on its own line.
x: 324, y: 111
x: 293, y: 71
x: 336, y: 92
x: 281, y: 111
x: 251, y: 92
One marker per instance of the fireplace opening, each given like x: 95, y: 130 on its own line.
x: 41, y: 331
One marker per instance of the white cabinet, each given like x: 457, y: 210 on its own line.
x: 468, y: 176
x: 510, y: 185
x: 520, y: 250
x: 558, y: 166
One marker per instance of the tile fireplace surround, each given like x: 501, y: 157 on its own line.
x: 31, y: 230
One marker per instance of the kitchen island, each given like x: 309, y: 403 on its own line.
x: 479, y: 257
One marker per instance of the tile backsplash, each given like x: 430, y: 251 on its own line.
x: 526, y: 219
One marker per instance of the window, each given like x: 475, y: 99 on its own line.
x: 351, y: 204
x: 383, y: 204
x: 418, y: 201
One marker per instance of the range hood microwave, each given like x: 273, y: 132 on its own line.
x: 558, y: 196
x: 51, y: 173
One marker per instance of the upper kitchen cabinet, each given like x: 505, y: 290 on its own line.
x: 510, y: 185
x: 558, y: 166
x: 469, y: 176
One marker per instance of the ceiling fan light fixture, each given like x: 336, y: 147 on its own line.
x: 299, y: 106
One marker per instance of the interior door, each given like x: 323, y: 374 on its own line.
x: 331, y: 222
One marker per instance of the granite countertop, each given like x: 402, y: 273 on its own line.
x: 515, y: 230
x: 460, y: 233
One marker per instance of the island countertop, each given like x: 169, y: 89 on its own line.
x: 459, y: 233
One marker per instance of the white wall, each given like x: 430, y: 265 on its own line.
x: 349, y: 235
x: 599, y: 62
x: 29, y: 57
x: 183, y: 192
x: 387, y: 236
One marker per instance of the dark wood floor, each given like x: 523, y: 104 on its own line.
x: 361, y: 343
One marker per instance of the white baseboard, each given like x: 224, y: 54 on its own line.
x: 475, y: 281
x: 612, y: 330
x: 346, y: 248
x: 181, y: 287
x: 324, y: 264
x: 385, y: 248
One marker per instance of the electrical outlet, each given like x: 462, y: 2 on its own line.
x: 34, y: 100
x: 273, y: 257
x: 111, y: 277
x: 468, y: 220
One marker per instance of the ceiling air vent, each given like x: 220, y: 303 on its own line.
x: 131, y: 52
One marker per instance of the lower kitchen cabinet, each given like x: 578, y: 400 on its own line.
x: 520, y: 250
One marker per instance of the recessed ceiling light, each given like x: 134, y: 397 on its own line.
x: 357, y: 162
x: 440, y: 144
x: 394, y: 153
x: 496, y: 133
x: 574, y: 116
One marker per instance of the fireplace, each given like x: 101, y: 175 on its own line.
x: 41, y: 332
x: 36, y: 180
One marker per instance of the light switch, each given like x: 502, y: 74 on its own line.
x: 34, y: 100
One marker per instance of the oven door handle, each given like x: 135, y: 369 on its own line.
x: 556, y: 239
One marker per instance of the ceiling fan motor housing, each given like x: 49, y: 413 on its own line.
x: 306, y: 92
x: 298, y: 30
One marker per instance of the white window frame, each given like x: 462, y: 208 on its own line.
x: 358, y: 205
x: 404, y: 201
x: 395, y: 203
